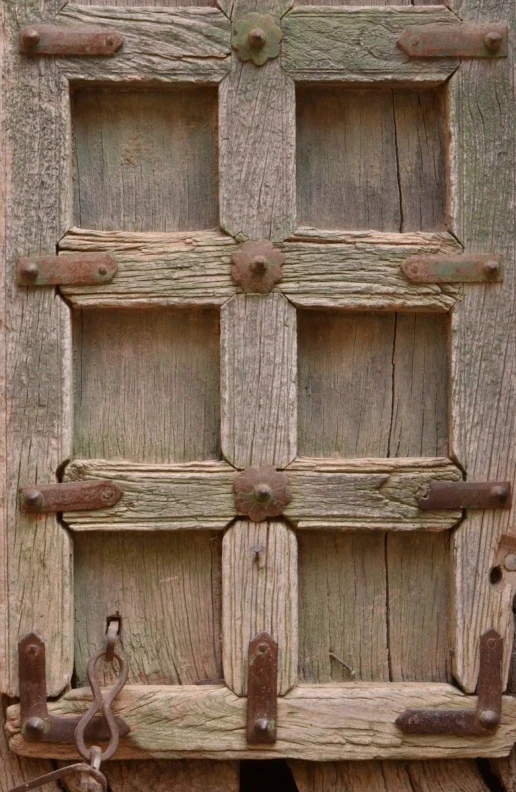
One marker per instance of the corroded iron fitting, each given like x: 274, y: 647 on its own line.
x: 261, y: 492
x: 256, y: 266
x: 256, y: 38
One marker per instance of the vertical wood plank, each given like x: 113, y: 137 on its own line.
x: 36, y: 177
x: 258, y: 380
x: 259, y: 594
x: 483, y: 397
x: 257, y: 151
x: 16, y: 770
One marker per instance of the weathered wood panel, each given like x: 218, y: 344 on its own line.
x: 358, y: 271
x: 184, y: 775
x: 147, y: 384
x: 358, y: 45
x: 370, y: 159
x: 166, y: 588
x: 145, y: 160
x: 237, y: 8
x: 316, y: 723
x: 367, y: 494
x: 36, y: 397
x: 372, y: 384
x: 16, y: 770
x: 483, y: 357
x: 259, y: 594
x: 182, y: 45
x: 258, y: 380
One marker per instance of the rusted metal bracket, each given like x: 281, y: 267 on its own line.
x: 465, y: 268
x: 256, y: 266
x: 466, y: 495
x: 480, y: 722
x: 261, y: 492
x: 70, y: 496
x: 77, y: 269
x: 455, y: 41
x: 37, y: 724
x: 256, y: 38
x: 262, y: 680
x: 58, y: 40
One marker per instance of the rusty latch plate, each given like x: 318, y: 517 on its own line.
x: 37, y: 724
x: 262, y: 680
x: 58, y: 40
x: 76, y: 269
x: 481, y: 721
x: 454, y: 41
x: 465, y: 268
x: 466, y: 495
x: 70, y: 496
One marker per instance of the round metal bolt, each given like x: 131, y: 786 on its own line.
x: 415, y: 41
x: 261, y: 725
x: 102, y: 270
x: 509, y: 562
x: 491, y: 268
x: 491, y: 643
x: 499, y: 494
x: 493, y: 40
x: 32, y: 650
x: 257, y: 38
x: 258, y: 265
x: 31, y: 37
x: 35, y: 727
x: 262, y: 492
x: 107, y: 495
x: 489, y: 719
x: 30, y: 270
x: 110, y: 41
x: 33, y: 499
x: 262, y: 647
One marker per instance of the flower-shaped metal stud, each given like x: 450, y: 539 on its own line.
x: 257, y: 266
x: 256, y: 37
x: 261, y: 492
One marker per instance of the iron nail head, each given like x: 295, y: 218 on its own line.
x: 499, y: 494
x: 261, y: 725
x: 35, y: 727
x: 31, y: 37
x: 489, y: 719
x: 491, y: 268
x: 102, y: 270
x: 257, y: 37
x: 33, y: 499
x: 30, y: 270
x: 509, y: 562
x: 493, y: 40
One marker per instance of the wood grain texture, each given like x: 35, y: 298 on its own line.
x: 257, y: 151
x: 16, y: 770
x: 147, y: 384
x: 357, y: 271
x: 436, y: 776
x: 145, y: 160
x: 372, y: 384
x: 236, y: 8
x: 359, y: 44
x: 35, y: 577
x: 316, y: 723
x: 166, y: 589
x: 362, y: 494
x: 173, y: 44
x: 183, y: 775
x: 259, y: 594
x: 258, y: 380
x: 483, y: 397
x: 371, y: 159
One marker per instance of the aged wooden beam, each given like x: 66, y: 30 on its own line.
x: 315, y: 723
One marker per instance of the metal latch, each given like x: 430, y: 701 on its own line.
x: 70, y: 496
x: 37, y: 724
x: 454, y: 41
x: 262, y: 680
x: 76, y: 269
x: 465, y: 268
x: 59, y: 40
x: 466, y: 495
x: 480, y: 722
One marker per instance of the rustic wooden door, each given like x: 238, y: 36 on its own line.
x: 177, y: 374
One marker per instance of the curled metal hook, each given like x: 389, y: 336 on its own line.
x: 63, y: 772
x: 100, y: 705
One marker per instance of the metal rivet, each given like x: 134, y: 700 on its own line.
x: 493, y: 40
x: 257, y: 38
x: 258, y: 265
x: 415, y: 41
x: 261, y: 725
x: 509, y: 562
x: 107, y: 495
x: 30, y: 270
x: 102, y: 270
x: 33, y: 499
x: 489, y: 719
x: 110, y: 41
x: 262, y: 492
x: 491, y: 268
x: 499, y: 494
x: 31, y: 37
x: 32, y: 649
x: 35, y: 726
x: 491, y: 643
